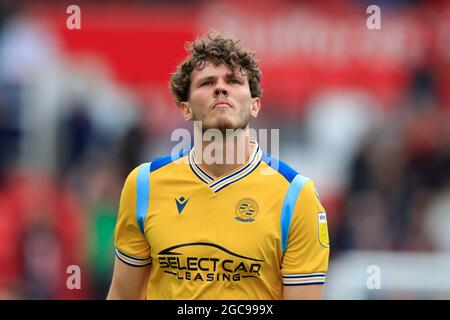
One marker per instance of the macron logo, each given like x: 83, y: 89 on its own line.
x: 181, y: 203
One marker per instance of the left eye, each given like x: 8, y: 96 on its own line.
x: 234, y: 81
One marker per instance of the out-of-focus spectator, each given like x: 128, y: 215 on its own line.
x: 104, y: 187
x: 77, y: 130
x: 44, y: 228
x: 437, y: 219
x: 399, y: 172
x: 42, y: 261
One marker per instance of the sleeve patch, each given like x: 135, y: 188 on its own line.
x: 323, y: 229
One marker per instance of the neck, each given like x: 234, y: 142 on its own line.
x: 225, y: 152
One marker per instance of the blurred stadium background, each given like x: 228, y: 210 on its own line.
x: 365, y: 113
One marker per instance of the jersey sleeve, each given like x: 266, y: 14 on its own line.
x: 305, y: 260
x: 131, y: 245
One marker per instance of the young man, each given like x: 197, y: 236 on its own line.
x: 192, y: 228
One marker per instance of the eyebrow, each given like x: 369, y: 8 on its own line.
x: 228, y: 75
x: 205, y: 78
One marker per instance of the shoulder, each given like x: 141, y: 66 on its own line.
x: 281, y: 168
x: 164, y: 161
x: 156, y: 164
x: 166, y: 166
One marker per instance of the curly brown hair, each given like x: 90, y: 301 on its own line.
x: 214, y: 47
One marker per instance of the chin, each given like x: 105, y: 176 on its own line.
x: 223, y: 123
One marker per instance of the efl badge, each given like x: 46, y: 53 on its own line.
x: 246, y: 210
x: 323, y: 229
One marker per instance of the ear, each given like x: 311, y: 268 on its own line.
x: 256, y: 105
x: 186, y: 110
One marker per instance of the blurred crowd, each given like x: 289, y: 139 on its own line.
x: 59, y: 198
x: 59, y: 195
x: 398, y: 196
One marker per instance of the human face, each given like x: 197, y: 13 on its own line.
x: 220, y: 98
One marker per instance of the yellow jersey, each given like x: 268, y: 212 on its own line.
x: 244, y: 235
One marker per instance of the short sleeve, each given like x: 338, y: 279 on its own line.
x: 131, y: 245
x: 305, y: 260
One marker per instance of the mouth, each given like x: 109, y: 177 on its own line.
x: 222, y: 104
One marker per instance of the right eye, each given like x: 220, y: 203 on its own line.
x: 206, y: 83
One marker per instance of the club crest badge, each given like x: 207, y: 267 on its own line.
x: 246, y: 210
x: 323, y: 229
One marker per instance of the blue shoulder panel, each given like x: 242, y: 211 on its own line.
x: 162, y: 161
x: 143, y: 184
x: 297, y: 181
x: 288, y: 207
x: 279, y: 166
x: 142, y: 194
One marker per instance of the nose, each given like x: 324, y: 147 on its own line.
x: 220, y: 89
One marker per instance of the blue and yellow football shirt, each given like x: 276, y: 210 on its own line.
x: 240, y: 236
